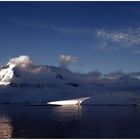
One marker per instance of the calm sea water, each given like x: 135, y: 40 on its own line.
x: 19, y: 121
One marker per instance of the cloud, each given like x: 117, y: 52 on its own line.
x: 66, y: 60
x: 21, y: 61
x: 40, y: 25
x: 136, y: 52
x: 92, y: 76
x: 126, y: 38
x: 54, y: 27
x: 115, y: 75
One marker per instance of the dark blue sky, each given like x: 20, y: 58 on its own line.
x: 105, y: 36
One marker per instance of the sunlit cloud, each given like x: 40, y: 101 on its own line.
x: 66, y: 60
x: 21, y: 61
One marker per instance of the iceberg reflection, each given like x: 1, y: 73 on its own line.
x: 66, y: 113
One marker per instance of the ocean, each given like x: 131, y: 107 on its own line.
x: 20, y: 121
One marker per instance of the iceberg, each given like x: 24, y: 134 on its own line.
x: 69, y: 102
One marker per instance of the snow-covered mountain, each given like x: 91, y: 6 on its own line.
x: 21, y: 71
x: 29, y: 75
x: 23, y: 82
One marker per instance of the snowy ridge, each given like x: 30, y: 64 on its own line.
x: 23, y: 82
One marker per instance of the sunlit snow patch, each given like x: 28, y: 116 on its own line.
x: 6, y: 75
x: 77, y: 101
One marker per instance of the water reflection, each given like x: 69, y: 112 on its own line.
x: 69, y: 121
x: 39, y: 121
x: 66, y: 113
x: 5, y: 128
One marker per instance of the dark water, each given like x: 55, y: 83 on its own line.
x: 18, y: 121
